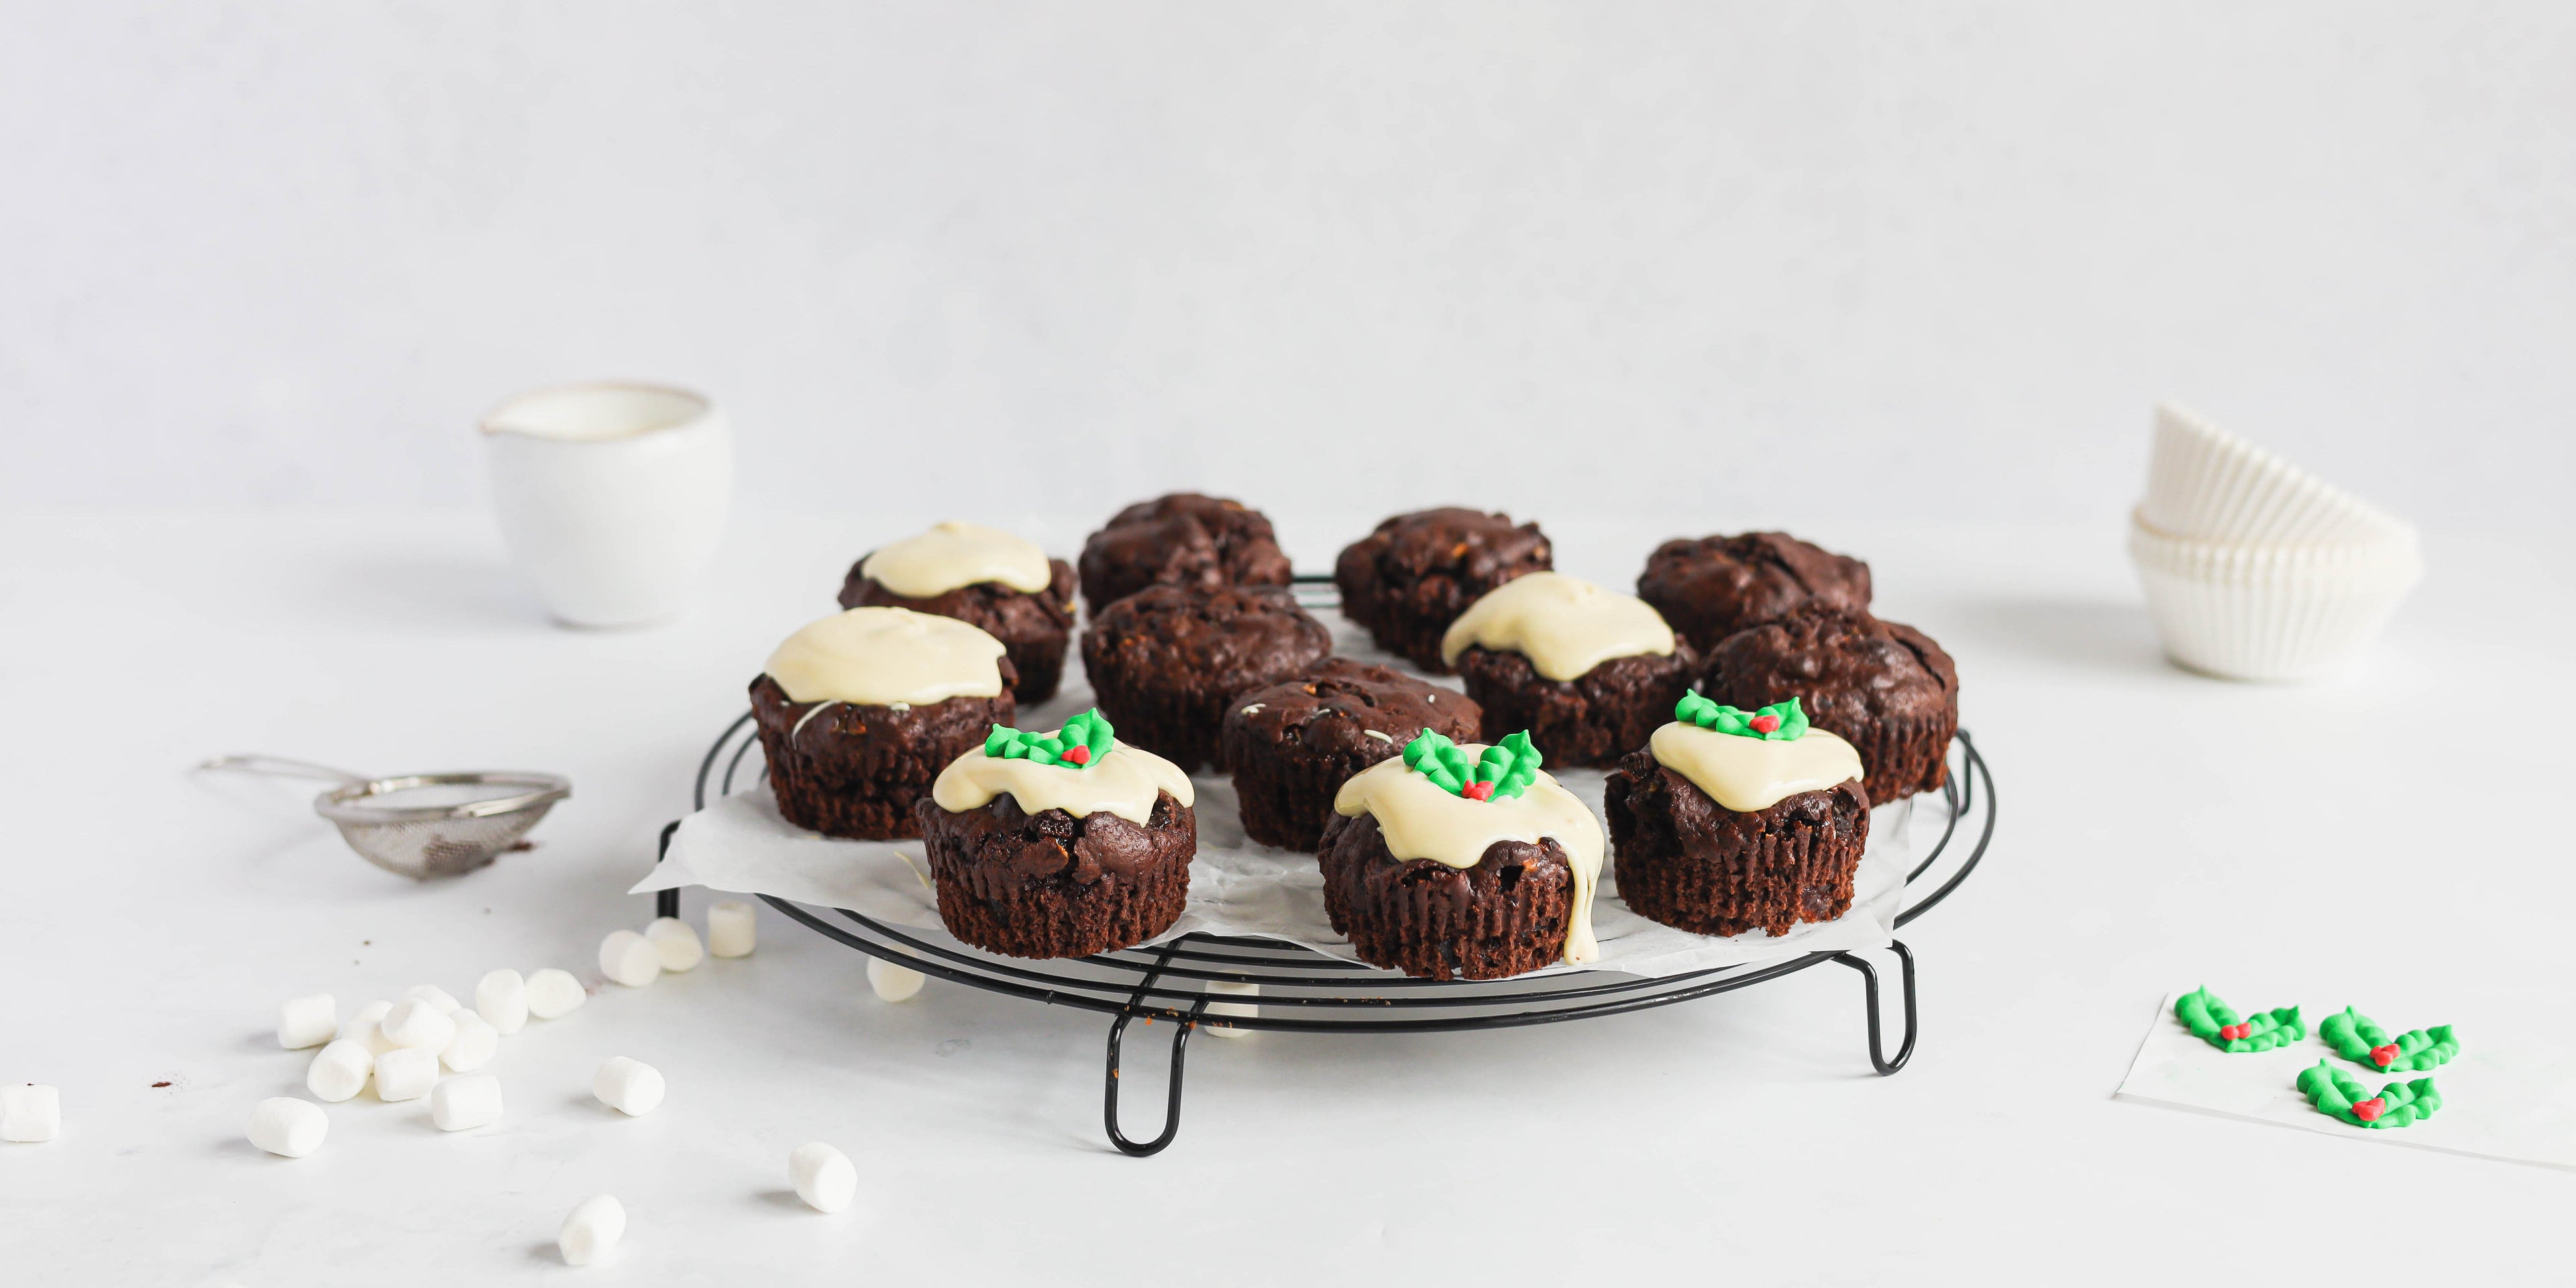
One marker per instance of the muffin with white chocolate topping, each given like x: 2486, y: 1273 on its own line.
x: 859, y: 711
x: 1588, y: 672
x: 992, y: 580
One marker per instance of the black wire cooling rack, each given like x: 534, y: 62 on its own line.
x: 1271, y: 985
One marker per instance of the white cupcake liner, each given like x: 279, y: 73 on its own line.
x: 2207, y: 484
x: 2270, y: 613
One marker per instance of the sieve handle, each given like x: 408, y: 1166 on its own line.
x: 282, y: 767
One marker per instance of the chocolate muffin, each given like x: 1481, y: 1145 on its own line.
x: 1715, y: 586
x: 1180, y: 540
x: 1477, y: 903
x: 1059, y: 845
x: 1718, y: 833
x: 1886, y: 688
x: 1166, y: 661
x: 1292, y: 745
x: 857, y: 713
x: 993, y: 581
x: 1411, y: 577
x: 1589, y: 673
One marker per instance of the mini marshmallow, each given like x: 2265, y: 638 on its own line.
x: 554, y: 992
x: 288, y: 1127
x: 464, y: 1101
x: 415, y: 1022
x: 629, y: 959
x: 308, y: 1021
x: 629, y: 1086
x: 893, y: 982
x: 595, y: 1226
x: 501, y: 998
x: 1229, y: 988
x: 731, y: 929
x: 374, y: 1037
x: 434, y: 995
x: 823, y: 1177
x: 677, y: 944
x: 367, y: 1015
x: 340, y: 1071
x: 406, y: 1073
x: 30, y: 1113
x: 474, y: 1045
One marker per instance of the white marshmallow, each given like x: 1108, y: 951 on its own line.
x: 629, y: 959
x: 731, y: 929
x: 340, y: 1071
x: 434, y: 995
x: 1228, y: 988
x: 415, y: 1022
x: 307, y: 1021
x: 367, y: 1015
x: 823, y: 1177
x: 373, y: 1037
x: 676, y: 943
x: 501, y: 998
x: 406, y: 1073
x: 553, y: 993
x: 893, y: 982
x: 629, y: 1086
x: 464, y: 1101
x: 474, y: 1045
x: 30, y: 1113
x: 595, y: 1226
x: 288, y: 1127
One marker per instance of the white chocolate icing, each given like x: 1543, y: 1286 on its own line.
x: 887, y: 656
x: 1122, y: 782
x: 1564, y: 625
x: 1420, y: 821
x: 953, y: 555
x: 1748, y: 774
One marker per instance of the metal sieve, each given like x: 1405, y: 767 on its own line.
x: 421, y: 825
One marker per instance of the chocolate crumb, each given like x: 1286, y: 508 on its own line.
x: 160, y: 1084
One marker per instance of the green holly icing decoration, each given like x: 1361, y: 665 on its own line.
x: 2210, y: 1020
x: 1082, y: 741
x: 2340, y: 1095
x: 1506, y: 769
x: 1778, y: 722
x: 2355, y: 1037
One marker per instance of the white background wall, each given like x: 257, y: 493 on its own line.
x: 1821, y: 264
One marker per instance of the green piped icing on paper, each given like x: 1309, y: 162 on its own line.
x: 1788, y: 720
x: 1081, y: 743
x: 2355, y: 1037
x: 1506, y: 769
x: 2340, y: 1095
x: 2213, y: 1022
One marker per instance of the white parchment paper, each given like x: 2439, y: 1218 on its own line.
x: 2500, y: 1099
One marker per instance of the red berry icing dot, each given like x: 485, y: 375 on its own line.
x: 2234, y: 1031
x: 2369, y: 1110
x: 1078, y: 755
x: 1765, y: 724
x: 1478, y: 791
x: 2384, y: 1056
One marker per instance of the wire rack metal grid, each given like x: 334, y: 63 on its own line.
x: 1271, y: 985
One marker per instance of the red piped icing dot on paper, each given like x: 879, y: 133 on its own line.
x: 1765, y: 724
x: 1478, y: 791
x: 2384, y: 1056
x: 2232, y: 1032
x: 1078, y: 755
x: 2369, y: 1110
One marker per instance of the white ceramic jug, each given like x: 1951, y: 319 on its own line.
x: 612, y: 496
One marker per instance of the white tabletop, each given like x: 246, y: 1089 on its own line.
x: 2394, y: 836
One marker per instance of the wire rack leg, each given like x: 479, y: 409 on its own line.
x: 1180, y: 1053
x: 666, y: 903
x: 1869, y: 996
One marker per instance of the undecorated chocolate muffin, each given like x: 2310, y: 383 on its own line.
x: 1166, y: 661
x: 1886, y: 688
x: 966, y: 572
x: 1411, y: 577
x: 1292, y: 745
x: 1588, y: 672
x: 1715, y: 586
x: 1102, y: 862
x: 1704, y: 837
x: 1180, y: 540
x: 857, y: 714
